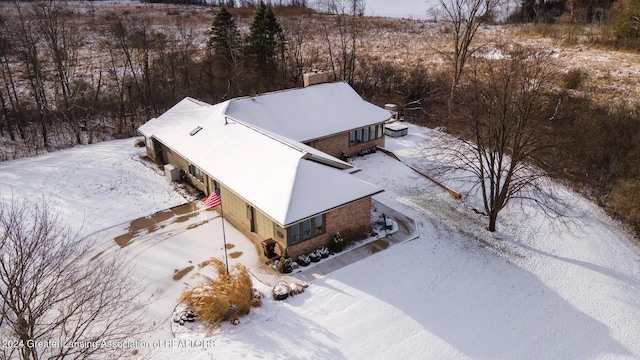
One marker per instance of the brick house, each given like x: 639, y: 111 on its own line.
x: 330, y: 117
x: 272, y: 164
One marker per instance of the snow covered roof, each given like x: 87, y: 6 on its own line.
x: 312, y: 153
x: 287, y: 181
x: 308, y: 113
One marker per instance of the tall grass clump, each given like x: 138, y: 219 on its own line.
x: 575, y: 77
x: 625, y: 202
x: 225, y: 297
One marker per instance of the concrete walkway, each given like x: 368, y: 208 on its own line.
x: 407, y: 230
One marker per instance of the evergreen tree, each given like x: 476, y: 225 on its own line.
x: 226, y: 43
x: 628, y: 22
x: 264, y: 43
x: 224, y: 38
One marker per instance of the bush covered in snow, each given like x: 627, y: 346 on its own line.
x: 280, y: 291
x: 296, y: 288
x: 323, y: 251
x: 285, y: 265
x: 303, y: 260
x: 337, y: 243
x: 314, y: 256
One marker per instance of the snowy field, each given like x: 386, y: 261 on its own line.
x: 410, y: 9
x: 535, y: 289
x: 93, y: 186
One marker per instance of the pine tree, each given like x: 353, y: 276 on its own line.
x: 628, y: 22
x: 224, y: 38
x: 264, y: 43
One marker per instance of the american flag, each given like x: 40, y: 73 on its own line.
x: 213, y: 200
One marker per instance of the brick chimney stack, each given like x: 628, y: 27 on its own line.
x: 315, y: 77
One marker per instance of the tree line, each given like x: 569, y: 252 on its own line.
x: 233, y: 3
x: 73, y: 77
x: 621, y: 16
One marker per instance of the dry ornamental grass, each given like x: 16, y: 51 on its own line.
x: 223, y: 298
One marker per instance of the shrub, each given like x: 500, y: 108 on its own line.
x: 337, y: 243
x: 222, y: 298
x: 280, y: 291
x: 314, y: 256
x: 303, y: 260
x: 625, y: 202
x: 285, y: 265
x: 575, y: 77
x: 323, y: 252
x: 627, y: 24
x: 296, y: 288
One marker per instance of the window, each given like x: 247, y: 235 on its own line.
x: 365, y: 134
x: 294, y: 234
x: 308, y: 229
x: 195, y: 171
x: 318, y: 224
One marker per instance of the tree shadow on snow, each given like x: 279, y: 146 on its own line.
x: 479, y: 303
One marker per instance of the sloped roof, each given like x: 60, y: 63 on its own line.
x: 281, y: 179
x: 312, y: 153
x: 308, y: 113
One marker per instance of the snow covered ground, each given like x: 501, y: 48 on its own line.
x: 94, y: 186
x: 535, y: 289
x: 411, y: 9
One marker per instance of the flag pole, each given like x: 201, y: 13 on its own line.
x: 224, y: 240
x: 213, y: 201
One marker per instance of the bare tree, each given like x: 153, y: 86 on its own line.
x: 5, y: 123
x: 182, y: 51
x: 29, y: 50
x: 63, y: 41
x: 462, y: 18
x: 343, y: 18
x: 133, y: 46
x: 297, y: 32
x: 54, y: 292
x: 509, y: 106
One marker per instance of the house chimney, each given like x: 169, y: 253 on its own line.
x: 315, y: 77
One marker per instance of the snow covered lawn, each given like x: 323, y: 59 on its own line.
x: 535, y: 289
x: 94, y: 186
